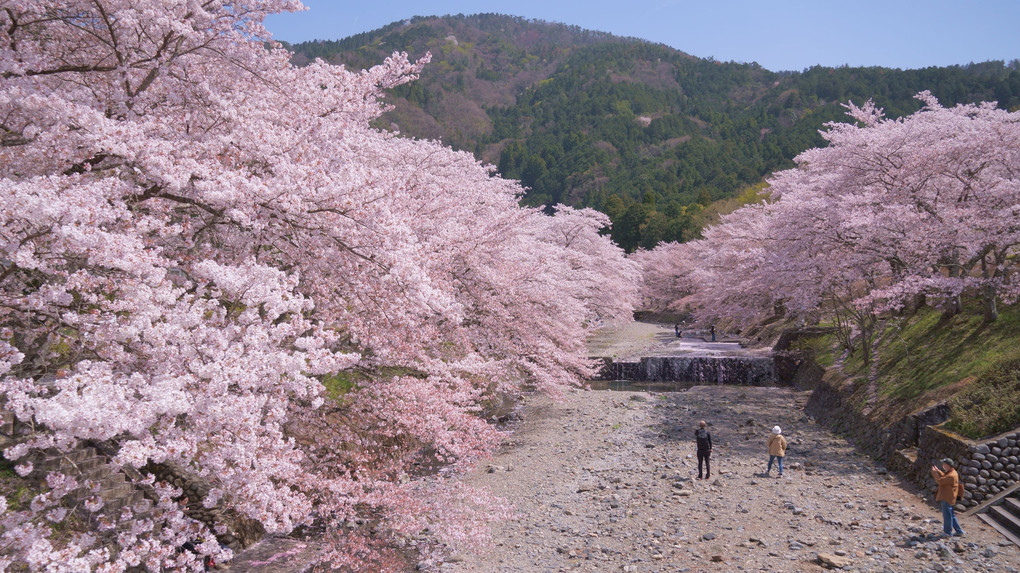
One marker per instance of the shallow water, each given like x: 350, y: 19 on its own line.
x: 637, y: 386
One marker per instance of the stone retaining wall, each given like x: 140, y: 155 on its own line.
x: 240, y: 531
x: 797, y: 367
x: 834, y: 403
x: 989, y: 467
x: 911, y: 445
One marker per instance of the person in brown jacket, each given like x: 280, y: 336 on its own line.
x: 947, y: 478
x: 777, y: 449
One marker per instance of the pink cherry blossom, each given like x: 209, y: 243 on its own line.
x: 194, y: 233
x: 887, y: 212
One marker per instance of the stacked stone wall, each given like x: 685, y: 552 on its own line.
x: 835, y: 403
x: 240, y: 531
x: 987, y: 467
x: 797, y: 366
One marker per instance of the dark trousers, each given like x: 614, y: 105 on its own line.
x: 703, y: 457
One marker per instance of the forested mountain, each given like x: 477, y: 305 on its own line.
x: 641, y: 131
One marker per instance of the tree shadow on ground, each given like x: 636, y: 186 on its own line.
x: 741, y: 421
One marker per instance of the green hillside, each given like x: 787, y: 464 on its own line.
x: 643, y: 132
x: 927, y: 357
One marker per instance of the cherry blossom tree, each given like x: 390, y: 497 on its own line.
x: 946, y: 182
x: 666, y: 276
x: 889, y: 210
x: 194, y: 234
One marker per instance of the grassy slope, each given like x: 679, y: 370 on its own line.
x: 925, y: 359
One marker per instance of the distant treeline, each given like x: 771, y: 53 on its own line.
x: 643, y: 132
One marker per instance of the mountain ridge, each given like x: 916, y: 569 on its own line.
x: 646, y: 133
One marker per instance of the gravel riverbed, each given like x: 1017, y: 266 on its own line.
x: 605, y: 481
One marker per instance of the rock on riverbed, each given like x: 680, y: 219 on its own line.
x: 605, y: 481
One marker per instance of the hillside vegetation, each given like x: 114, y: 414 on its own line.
x: 928, y: 357
x: 641, y: 131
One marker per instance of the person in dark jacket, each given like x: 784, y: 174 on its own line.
x: 704, y: 440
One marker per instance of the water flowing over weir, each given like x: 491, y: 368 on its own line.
x: 694, y: 370
x: 645, y: 355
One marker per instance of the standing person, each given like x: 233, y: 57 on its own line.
x: 777, y: 449
x: 947, y: 479
x: 704, y: 439
x: 712, y: 330
x: 676, y: 329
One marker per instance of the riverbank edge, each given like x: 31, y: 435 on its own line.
x: 907, y: 445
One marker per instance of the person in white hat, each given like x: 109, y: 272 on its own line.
x: 777, y: 449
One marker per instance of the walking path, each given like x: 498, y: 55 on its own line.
x: 604, y: 481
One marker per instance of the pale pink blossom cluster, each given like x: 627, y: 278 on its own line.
x: 889, y: 212
x: 194, y: 232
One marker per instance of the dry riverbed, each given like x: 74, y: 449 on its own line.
x: 604, y: 481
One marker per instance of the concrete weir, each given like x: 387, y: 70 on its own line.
x: 651, y: 354
x: 696, y: 370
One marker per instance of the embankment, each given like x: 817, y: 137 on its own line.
x: 907, y: 441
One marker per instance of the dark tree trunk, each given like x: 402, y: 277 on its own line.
x: 953, y: 307
x: 991, y: 308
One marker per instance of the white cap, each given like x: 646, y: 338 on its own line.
x: 777, y: 430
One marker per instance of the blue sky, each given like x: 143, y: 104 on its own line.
x: 778, y: 34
